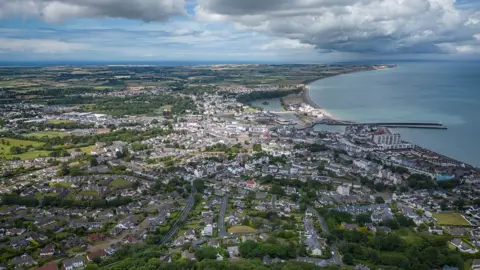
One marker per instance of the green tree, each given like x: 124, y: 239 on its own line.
x: 379, y: 199
x: 199, y: 185
x: 348, y: 259
x: 93, y: 161
x: 209, y: 253
x: 257, y: 147
x: 363, y: 218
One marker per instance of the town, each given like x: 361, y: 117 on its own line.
x: 184, y: 176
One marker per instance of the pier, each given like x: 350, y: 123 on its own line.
x: 420, y: 125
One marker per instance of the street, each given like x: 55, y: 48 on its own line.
x: 221, y: 218
x: 274, y: 200
x: 183, y: 216
x: 336, y: 256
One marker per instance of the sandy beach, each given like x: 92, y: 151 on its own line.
x: 308, y: 100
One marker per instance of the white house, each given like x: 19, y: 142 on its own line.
x: 208, y: 230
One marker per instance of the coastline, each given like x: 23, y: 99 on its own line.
x: 306, y: 89
x: 307, y: 99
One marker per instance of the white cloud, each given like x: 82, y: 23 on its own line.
x: 289, y: 44
x: 372, y: 26
x: 39, y: 46
x: 55, y: 11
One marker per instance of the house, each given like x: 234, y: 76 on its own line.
x: 93, y: 237
x: 435, y: 230
x: 48, y: 266
x: 462, y: 246
x: 233, y: 251
x: 190, y: 234
x: 96, y: 254
x: 14, y: 231
x: 456, y: 231
x: 179, y: 241
x: 349, y: 227
x: 343, y: 190
x: 376, y: 217
x: 23, y: 260
x: 213, y: 243
x: 47, y: 251
x: 188, y: 255
x: 130, y: 239
x: 447, y: 267
x: 475, y: 264
x: 73, y: 263
x: 208, y: 230
x: 19, y: 242
x: 251, y: 185
x: 314, y: 246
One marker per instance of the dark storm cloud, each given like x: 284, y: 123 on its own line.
x: 59, y: 10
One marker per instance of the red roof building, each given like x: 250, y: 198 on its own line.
x: 96, y: 254
x: 96, y: 237
x: 49, y: 266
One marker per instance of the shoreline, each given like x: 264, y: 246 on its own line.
x: 308, y: 100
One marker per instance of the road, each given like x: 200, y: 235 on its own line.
x: 333, y: 247
x: 221, y: 218
x: 274, y: 203
x: 183, y: 216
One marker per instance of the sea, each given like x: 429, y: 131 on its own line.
x: 447, y: 92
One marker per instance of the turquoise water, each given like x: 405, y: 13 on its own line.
x: 448, y: 92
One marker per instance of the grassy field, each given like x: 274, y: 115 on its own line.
x: 241, y: 229
x: 86, y: 149
x: 89, y: 193
x: 119, y: 182
x: 450, y: 219
x: 58, y: 121
x: 30, y: 155
x: 61, y: 184
x: 7, y: 143
x: 251, y: 110
x: 50, y: 133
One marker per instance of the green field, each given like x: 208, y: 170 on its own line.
x: 7, y: 143
x: 51, y: 133
x: 57, y: 121
x: 61, y: 184
x: 251, y: 110
x: 86, y: 149
x: 89, y: 193
x: 454, y: 219
x: 119, y: 182
x: 241, y: 229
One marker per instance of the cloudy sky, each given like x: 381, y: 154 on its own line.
x: 238, y: 30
